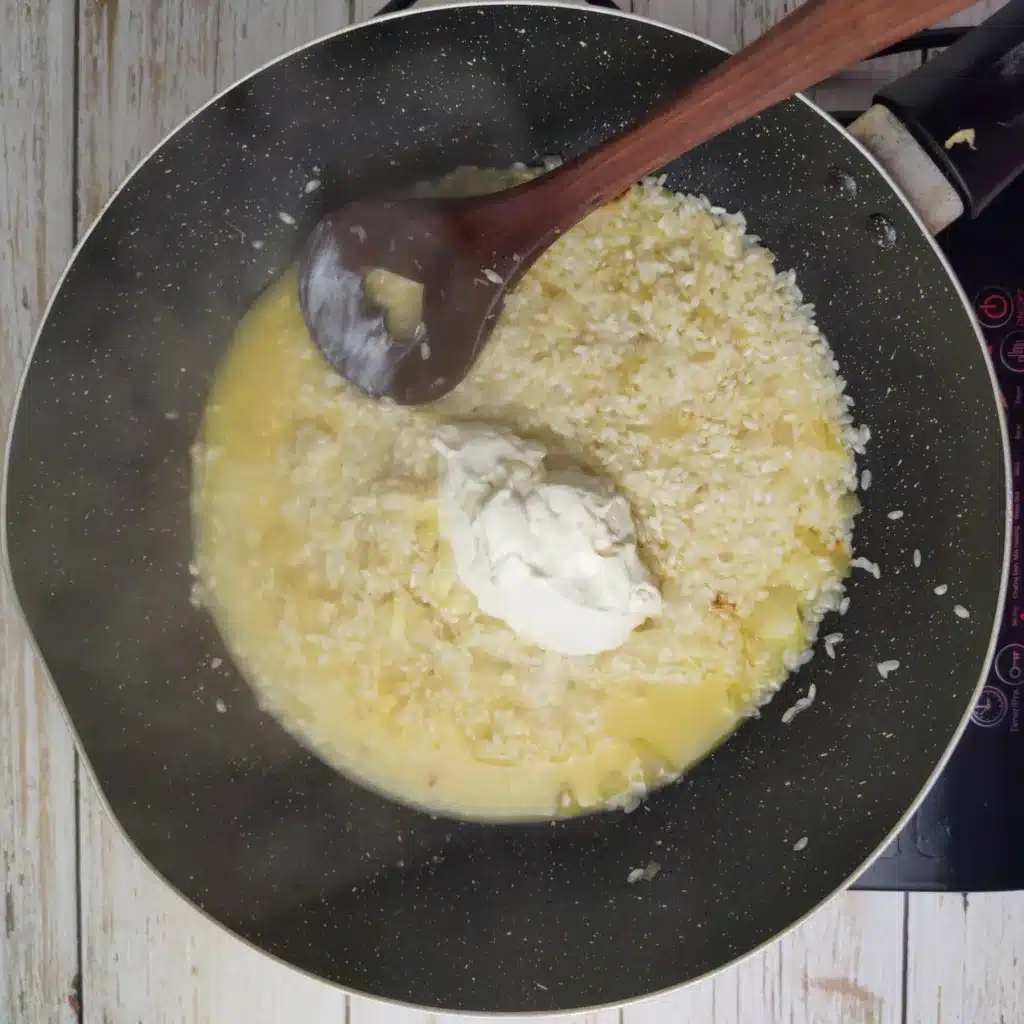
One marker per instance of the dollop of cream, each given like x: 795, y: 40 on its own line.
x: 552, y: 554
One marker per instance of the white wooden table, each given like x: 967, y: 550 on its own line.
x: 90, y: 934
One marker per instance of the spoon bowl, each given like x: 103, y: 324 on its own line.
x: 426, y: 241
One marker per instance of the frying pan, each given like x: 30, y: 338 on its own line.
x: 305, y: 863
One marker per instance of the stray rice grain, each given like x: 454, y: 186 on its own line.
x: 802, y: 704
x: 868, y: 566
x: 644, y: 874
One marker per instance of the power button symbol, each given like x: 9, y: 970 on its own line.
x: 993, y: 307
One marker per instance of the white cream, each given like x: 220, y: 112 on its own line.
x: 553, y: 555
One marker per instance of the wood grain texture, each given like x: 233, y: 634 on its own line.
x: 38, y: 943
x: 966, y: 958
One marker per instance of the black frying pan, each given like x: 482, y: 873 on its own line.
x: 258, y: 832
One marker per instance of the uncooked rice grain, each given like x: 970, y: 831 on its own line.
x: 868, y: 566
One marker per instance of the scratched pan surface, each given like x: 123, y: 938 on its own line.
x: 309, y: 865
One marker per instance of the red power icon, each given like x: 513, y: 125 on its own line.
x: 993, y: 306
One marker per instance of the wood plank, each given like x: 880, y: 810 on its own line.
x: 966, y: 958
x: 147, y: 954
x: 845, y: 964
x: 39, y: 941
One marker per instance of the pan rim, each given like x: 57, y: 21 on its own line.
x: 588, y: 10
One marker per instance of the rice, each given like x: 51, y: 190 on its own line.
x: 868, y: 566
x: 656, y: 345
x: 802, y: 704
x: 644, y: 874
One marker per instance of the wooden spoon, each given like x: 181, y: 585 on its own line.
x: 468, y: 252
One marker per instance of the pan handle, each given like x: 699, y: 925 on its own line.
x: 395, y: 6
x: 952, y: 131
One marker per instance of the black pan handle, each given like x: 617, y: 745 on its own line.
x: 394, y: 6
x: 972, y: 92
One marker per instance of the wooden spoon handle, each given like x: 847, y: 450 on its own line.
x: 819, y: 39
